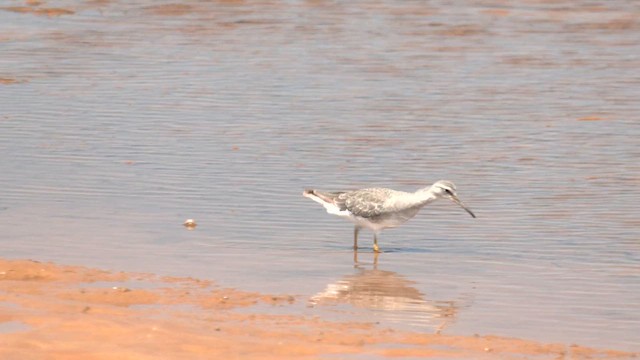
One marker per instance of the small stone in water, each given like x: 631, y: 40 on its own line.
x: 190, y: 224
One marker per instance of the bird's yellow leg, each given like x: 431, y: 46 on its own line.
x: 375, y: 243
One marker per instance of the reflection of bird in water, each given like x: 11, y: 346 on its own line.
x: 390, y: 295
x: 379, y: 208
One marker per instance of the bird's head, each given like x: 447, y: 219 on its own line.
x: 445, y: 189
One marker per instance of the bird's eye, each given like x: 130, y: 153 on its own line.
x: 448, y: 191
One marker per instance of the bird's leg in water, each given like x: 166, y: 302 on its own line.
x: 375, y: 243
x: 355, y: 238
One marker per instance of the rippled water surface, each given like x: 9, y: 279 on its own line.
x: 121, y: 119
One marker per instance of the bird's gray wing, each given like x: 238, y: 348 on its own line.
x: 366, y: 203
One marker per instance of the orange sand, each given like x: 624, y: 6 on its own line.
x: 8, y: 81
x: 71, y: 312
x: 51, y: 12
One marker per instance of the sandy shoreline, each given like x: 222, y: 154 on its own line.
x: 50, y: 311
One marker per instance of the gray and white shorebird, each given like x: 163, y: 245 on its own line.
x: 380, y: 208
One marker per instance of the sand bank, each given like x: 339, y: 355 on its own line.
x: 50, y: 311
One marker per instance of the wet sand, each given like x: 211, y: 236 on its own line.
x: 50, y: 311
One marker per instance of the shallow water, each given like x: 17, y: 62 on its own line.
x: 122, y: 119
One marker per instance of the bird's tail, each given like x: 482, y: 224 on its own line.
x: 321, y: 197
x: 329, y: 200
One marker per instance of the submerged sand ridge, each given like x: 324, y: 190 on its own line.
x: 50, y: 311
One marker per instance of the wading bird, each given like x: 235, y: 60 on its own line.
x: 380, y: 208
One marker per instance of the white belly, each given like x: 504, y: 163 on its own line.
x: 382, y: 222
